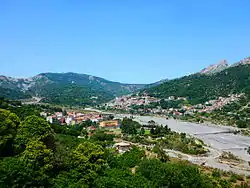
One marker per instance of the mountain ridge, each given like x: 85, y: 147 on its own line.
x: 222, y: 65
x: 61, y: 87
x: 211, y: 69
x: 83, y: 89
x: 199, y: 88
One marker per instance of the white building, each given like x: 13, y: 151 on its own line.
x: 68, y: 120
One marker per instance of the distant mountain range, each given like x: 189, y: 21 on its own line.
x: 65, y: 88
x: 82, y: 89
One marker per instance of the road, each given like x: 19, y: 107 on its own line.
x: 33, y: 100
x: 217, y: 138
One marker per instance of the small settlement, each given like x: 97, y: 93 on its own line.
x: 150, y: 105
x: 103, y: 121
x: 72, y: 118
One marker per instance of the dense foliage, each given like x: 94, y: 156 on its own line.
x: 200, y: 88
x: 73, y: 94
x: 22, y: 111
x: 39, y: 156
x: 9, y: 123
x: 65, y: 88
x: 13, y: 94
x: 129, y: 126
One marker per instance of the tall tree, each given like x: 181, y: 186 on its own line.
x: 129, y: 126
x: 34, y: 128
x: 87, y: 160
x: 8, y: 126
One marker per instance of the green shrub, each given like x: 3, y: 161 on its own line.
x: 216, y: 173
x: 233, y: 178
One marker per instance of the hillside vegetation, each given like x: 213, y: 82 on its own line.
x: 65, y: 88
x: 13, y: 94
x: 199, y: 88
x: 35, y: 153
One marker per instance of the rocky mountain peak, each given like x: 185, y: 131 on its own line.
x: 244, y: 61
x: 220, y: 66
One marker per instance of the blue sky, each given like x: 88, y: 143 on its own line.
x: 132, y: 41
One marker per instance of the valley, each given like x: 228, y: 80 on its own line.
x: 215, y: 137
x: 125, y: 94
x: 200, y: 120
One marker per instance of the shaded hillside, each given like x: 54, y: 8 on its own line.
x: 199, y: 88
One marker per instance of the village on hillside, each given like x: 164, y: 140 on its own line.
x: 178, y: 105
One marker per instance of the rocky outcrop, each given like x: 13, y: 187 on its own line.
x: 242, y: 62
x: 222, y: 65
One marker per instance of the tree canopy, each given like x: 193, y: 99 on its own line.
x: 9, y: 123
x: 47, y: 158
x: 34, y: 128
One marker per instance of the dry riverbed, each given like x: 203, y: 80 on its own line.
x: 217, y: 138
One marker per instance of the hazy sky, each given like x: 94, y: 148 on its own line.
x: 133, y: 41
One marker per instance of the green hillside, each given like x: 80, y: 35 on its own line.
x: 73, y: 94
x: 65, y: 88
x: 95, y: 83
x: 199, y: 88
x: 13, y: 94
x: 36, y: 153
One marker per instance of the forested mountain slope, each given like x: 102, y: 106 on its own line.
x: 65, y: 88
x: 199, y: 88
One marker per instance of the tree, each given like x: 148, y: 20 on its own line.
x: 152, y: 131
x: 34, y: 128
x: 32, y: 168
x: 88, y: 160
x: 167, y: 130
x: 161, y: 154
x: 110, y: 117
x: 173, y: 174
x: 129, y: 159
x: 8, y: 126
x: 183, y: 136
x: 82, y: 167
x: 152, y: 123
x: 64, y: 112
x: 153, y: 170
x: 241, y: 124
x: 12, y: 172
x: 115, y: 177
x: 38, y: 161
x: 129, y: 126
x: 142, y: 131
x: 102, y: 138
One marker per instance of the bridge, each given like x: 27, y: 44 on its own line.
x: 217, y: 132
